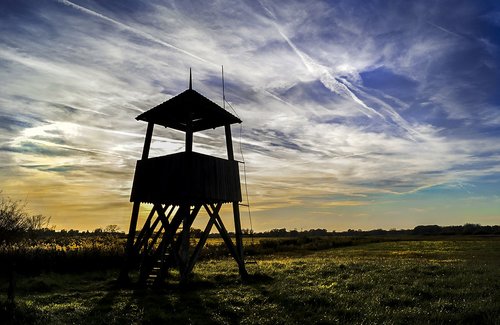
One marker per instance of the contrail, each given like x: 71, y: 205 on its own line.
x: 133, y: 30
x: 279, y: 98
x: 330, y: 82
x: 313, y: 67
x: 326, y: 78
x: 360, y: 154
x: 444, y: 29
x: 337, y: 86
x: 398, y: 119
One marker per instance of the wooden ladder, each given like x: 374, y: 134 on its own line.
x: 158, y: 271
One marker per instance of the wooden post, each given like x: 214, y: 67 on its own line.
x: 189, y: 133
x: 129, y: 249
x: 237, y: 228
x: 236, y: 206
x: 225, y: 236
x: 203, y: 238
x: 189, y: 141
x: 147, y: 141
x: 229, y: 142
x: 184, y: 249
x: 135, y: 208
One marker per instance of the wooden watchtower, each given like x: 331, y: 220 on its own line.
x: 178, y: 186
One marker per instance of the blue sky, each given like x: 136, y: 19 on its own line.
x: 356, y: 114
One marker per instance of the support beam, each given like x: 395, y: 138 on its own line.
x: 147, y: 141
x: 132, y: 228
x: 184, y: 240
x: 237, y: 230
x: 182, y: 244
x: 236, y: 206
x: 129, y: 248
x: 189, y: 141
x: 164, y: 225
x: 229, y: 142
x: 225, y: 236
x: 203, y: 239
x: 144, y: 233
x: 189, y: 134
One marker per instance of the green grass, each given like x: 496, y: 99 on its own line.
x: 407, y: 282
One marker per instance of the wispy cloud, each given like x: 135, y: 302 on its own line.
x: 133, y: 30
x: 346, y: 107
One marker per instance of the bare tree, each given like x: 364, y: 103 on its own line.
x: 12, y: 219
x: 15, y: 222
x: 37, y: 222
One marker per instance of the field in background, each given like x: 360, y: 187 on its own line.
x: 417, y: 282
x: 77, y: 253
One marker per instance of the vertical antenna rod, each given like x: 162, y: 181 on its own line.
x: 223, y: 94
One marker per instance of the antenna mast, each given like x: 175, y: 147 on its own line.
x: 223, y: 94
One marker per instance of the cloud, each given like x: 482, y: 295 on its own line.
x: 345, y: 203
x: 131, y: 29
x: 338, y: 101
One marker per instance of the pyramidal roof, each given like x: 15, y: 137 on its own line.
x: 189, y: 111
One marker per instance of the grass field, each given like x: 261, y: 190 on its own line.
x: 405, y: 282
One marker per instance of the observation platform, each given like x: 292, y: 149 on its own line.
x: 186, y: 178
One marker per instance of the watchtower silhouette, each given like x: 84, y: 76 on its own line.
x: 178, y: 186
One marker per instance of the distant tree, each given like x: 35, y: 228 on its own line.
x: 246, y: 231
x: 471, y: 229
x: 318, y: 232
x: 427, y: 230
x: 195, y: 233
x: 281, y: 232
x: 98, y: 231
x: 111, y: 229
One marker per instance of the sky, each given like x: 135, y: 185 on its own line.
x: 356, y: 114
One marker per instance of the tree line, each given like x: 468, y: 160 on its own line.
x: 422, y: 230
x: 17, y: 224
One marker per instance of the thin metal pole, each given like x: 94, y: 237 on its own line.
x: 223, y: 90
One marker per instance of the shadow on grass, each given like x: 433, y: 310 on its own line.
x: 19, y: 314
x: 257, y: 278
x: 199, y: 301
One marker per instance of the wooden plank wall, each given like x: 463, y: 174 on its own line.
x: 186, y: 178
